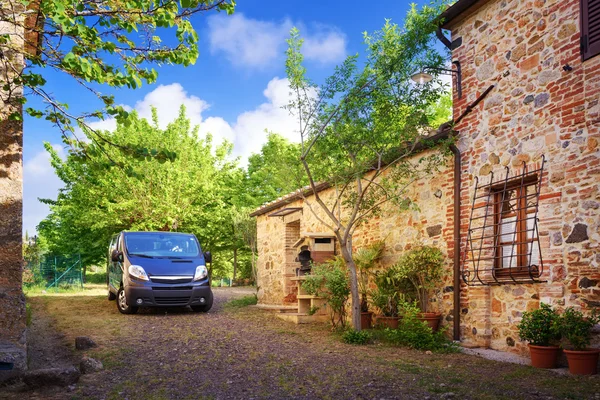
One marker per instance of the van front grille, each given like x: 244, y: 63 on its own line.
x: 172, y: 301
x: 171, y: 279
x: 172, y: 288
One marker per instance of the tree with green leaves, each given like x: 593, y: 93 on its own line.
x: 98, y: 200
x: 360, y: 130
x: 275, y: 171
x: 108, y: 42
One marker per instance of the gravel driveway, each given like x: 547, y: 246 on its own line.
x: 246, y: 353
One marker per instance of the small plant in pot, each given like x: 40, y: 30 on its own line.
x: 386, y: 297
x: 577, y: 330
x: 422, y: 268
x: 541, y: 329
x: 366, y: 259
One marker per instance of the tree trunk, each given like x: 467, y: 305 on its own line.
x: 347, y: 255
x: 12, y: 301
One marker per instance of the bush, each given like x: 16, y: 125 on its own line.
x: 97, y: 278
x: 356, y: 337
x: 423, y: 269
x: 417, y: 335
x: 577, y: 328
x: 540, y: 327
x: 330, y: 281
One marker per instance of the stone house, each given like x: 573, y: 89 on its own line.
x: 517, y: 212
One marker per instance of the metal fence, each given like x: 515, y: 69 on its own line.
x: 56, y: 272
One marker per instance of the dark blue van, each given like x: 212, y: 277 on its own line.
x: 158, y: 269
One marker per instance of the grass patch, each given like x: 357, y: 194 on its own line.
x: 242, y: 302
x: 28, y: 314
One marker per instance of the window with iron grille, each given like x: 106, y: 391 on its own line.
x: 514, y: 228
x: 502, y: 243
x: 590, y: 28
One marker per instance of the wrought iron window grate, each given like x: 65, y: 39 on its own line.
x: 502, y: 243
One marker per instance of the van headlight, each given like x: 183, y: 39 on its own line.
x: 201, y: 272
x: 138, y: 272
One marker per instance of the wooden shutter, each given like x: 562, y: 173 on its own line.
x: 590, y: 28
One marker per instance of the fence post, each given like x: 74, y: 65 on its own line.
x: 55, y: 284
x: 80, y: 271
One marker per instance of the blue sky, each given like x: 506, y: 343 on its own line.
x: 236, y: 88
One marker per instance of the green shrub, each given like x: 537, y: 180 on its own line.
x: 356, y: 337
x: 417, y: 334
x: 330, y: 281
x: 540, y: 327
x: 577, y: 328
x: 97, y: 278
x: 423, y: 269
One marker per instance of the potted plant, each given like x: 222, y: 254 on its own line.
x: 577, y: 330
x: 366, y: 258
x: 422, y: 268
x: 541, y: 329
x: 386, y: 297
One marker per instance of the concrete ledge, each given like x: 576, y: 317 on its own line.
x: 503, y: 356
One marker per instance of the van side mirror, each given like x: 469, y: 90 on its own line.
x: 207, y: 257
x: 117, y: 256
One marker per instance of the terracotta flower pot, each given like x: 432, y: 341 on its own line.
x: 387, y: 322
x: 432, y: 319
x: 366, y: 319
x: 583, y: 362
x: 543, y: 356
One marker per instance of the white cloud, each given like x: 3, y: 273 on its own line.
x: 252, y: 43
x: 39, y: 181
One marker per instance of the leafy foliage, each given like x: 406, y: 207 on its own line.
x: 366, y: 259
x: 388, y: 293
x: 417, y: 334
x: 352, y: 336
x: 330, y: 281
x: 275, y: 171
x: 360, y: 129
x: 109, y: 42
x: 99, y: 199
x: 423, y: 269
x: 540, y: 327
x: 577, y: 328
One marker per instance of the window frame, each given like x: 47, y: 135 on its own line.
x: 521, y: 242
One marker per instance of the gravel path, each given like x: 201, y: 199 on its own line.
x: 246, y: 353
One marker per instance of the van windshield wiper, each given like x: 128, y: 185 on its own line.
x: 140, y: 255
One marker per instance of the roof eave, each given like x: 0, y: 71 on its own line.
x: 458, y: 11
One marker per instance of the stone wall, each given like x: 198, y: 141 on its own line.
x: 539, y: 106
x: 12, y: 301
x: 430, y: 224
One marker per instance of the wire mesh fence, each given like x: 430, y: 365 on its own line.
x: 55, y: 272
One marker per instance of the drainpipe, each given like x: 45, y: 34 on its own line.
x: 456, y: 292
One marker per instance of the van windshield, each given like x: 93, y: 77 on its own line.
x: 159, y: 244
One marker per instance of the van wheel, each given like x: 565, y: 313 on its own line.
x: 204, y: 307
x: 122, y: 305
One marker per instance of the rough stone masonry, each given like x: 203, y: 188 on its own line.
x: 12, y: 301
